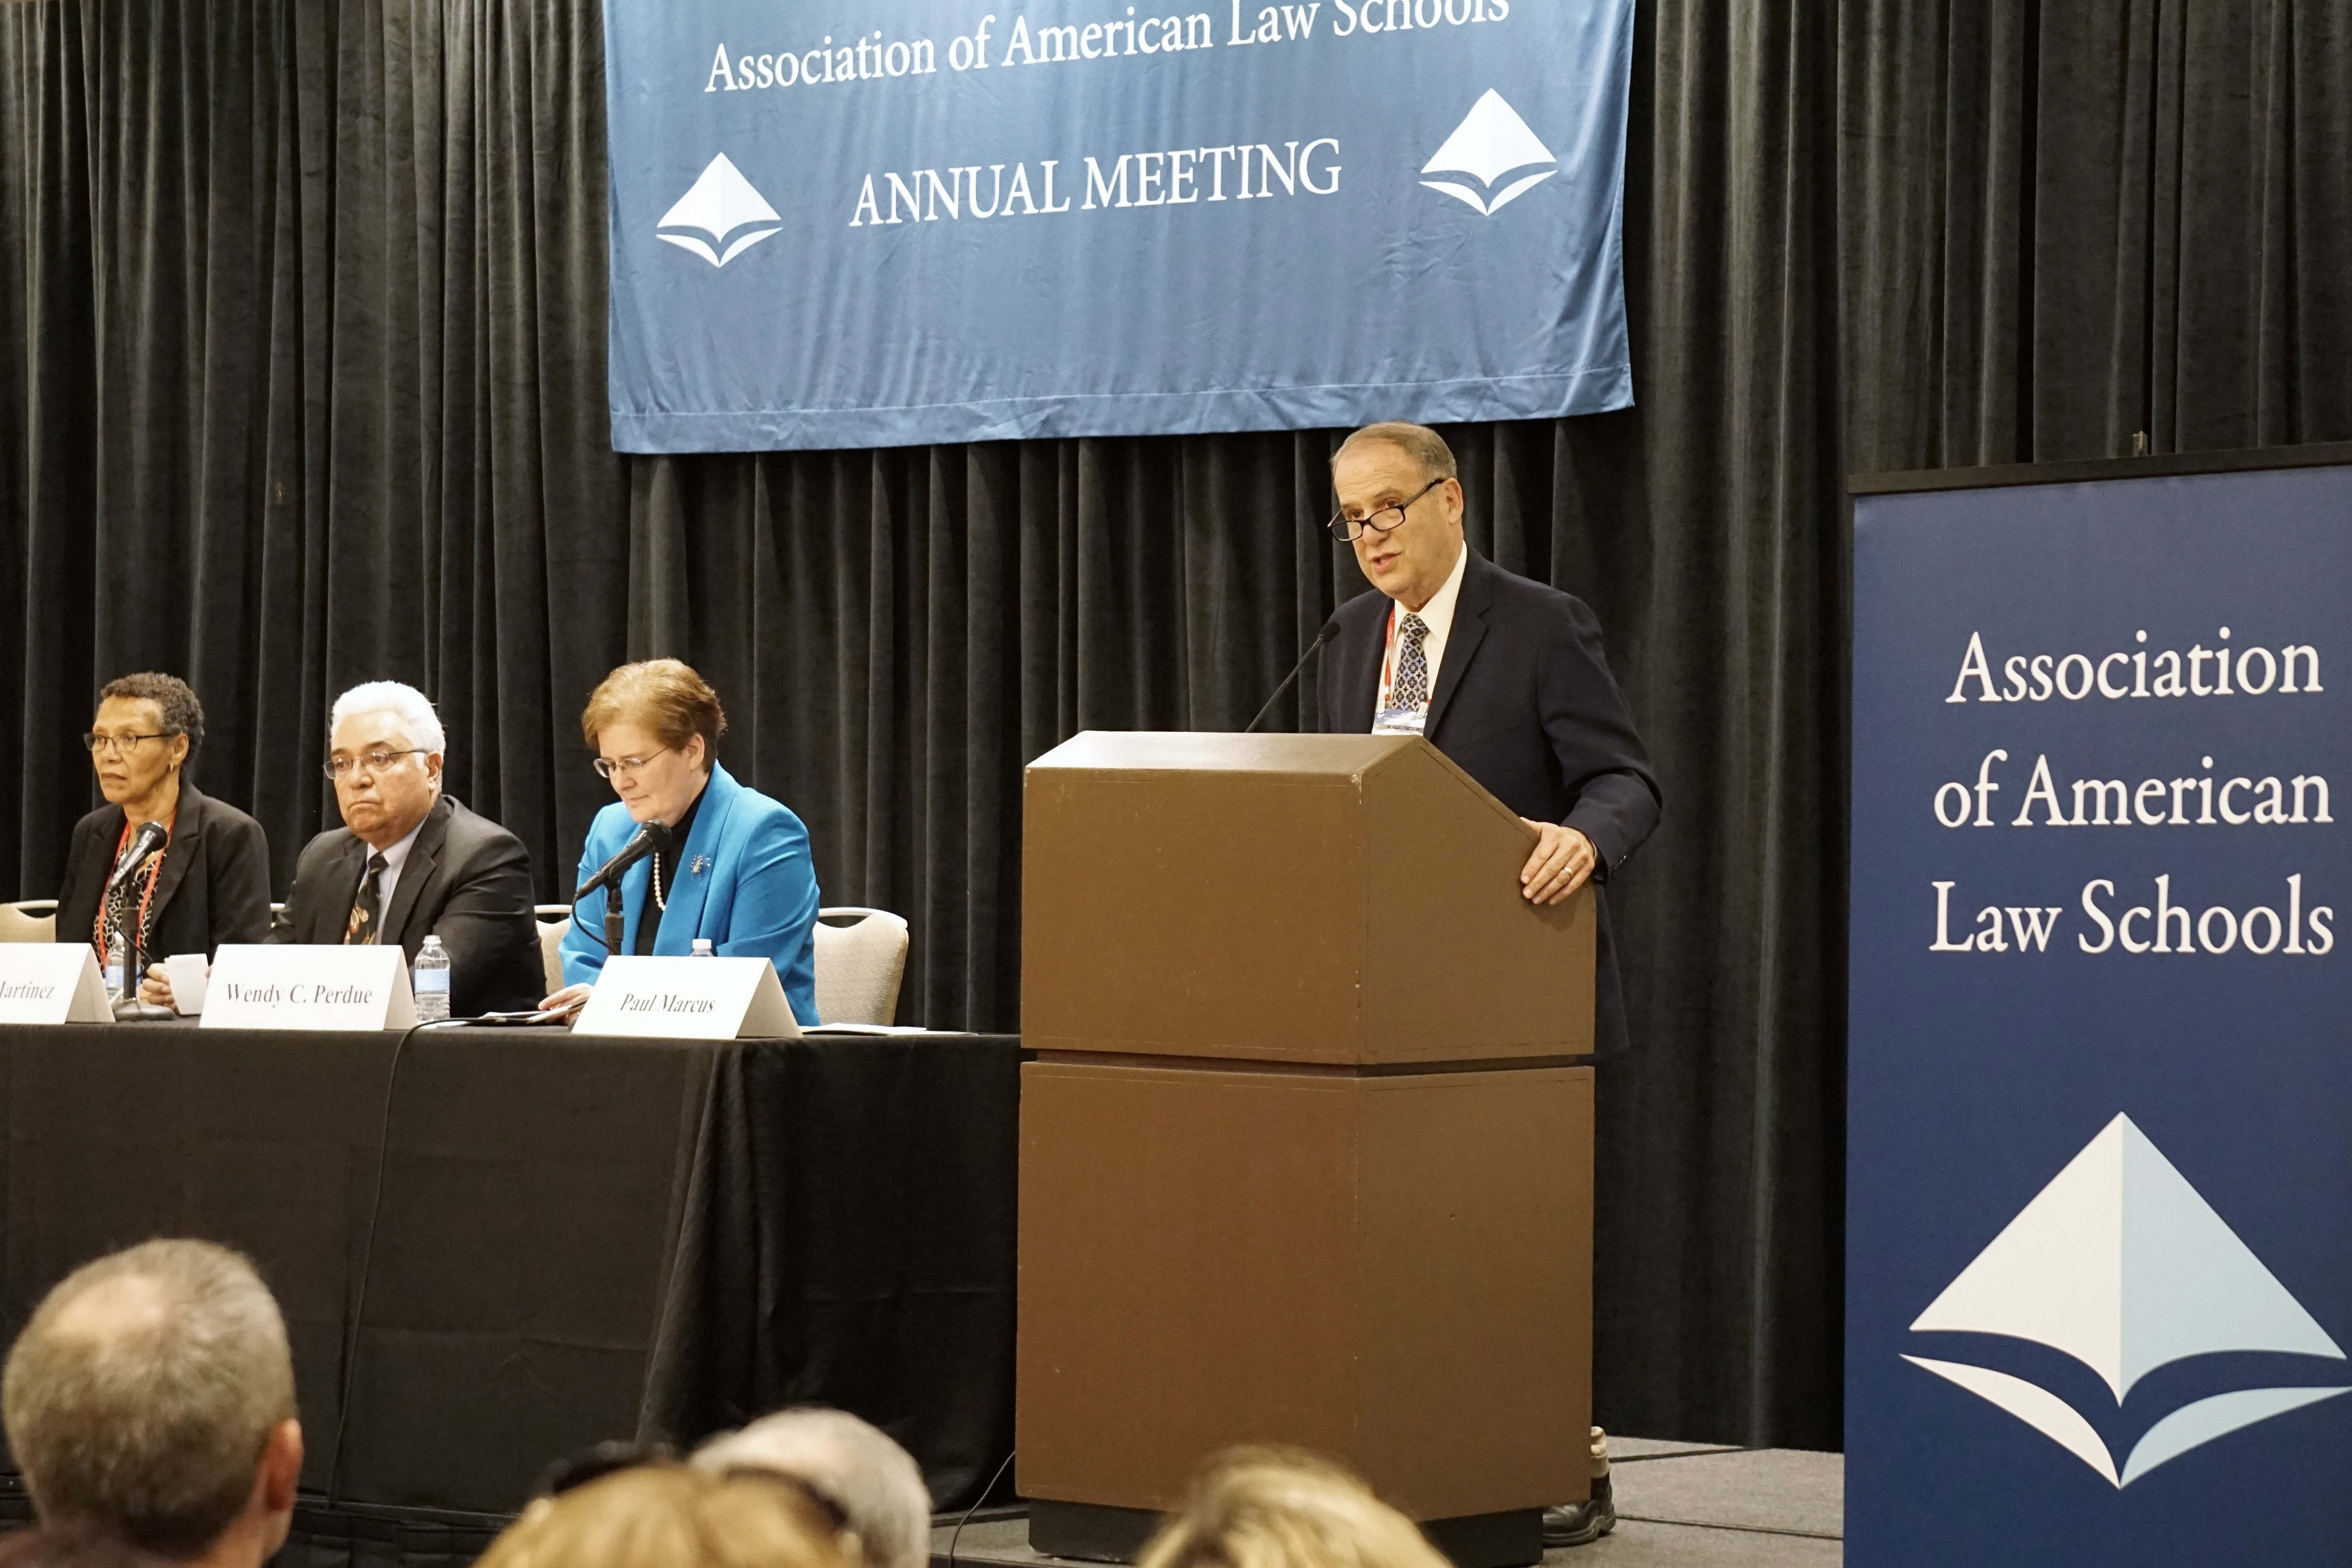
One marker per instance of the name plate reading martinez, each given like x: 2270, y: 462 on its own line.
x: 259, y: 986
x: 688, y: 999
x: 52, y: 983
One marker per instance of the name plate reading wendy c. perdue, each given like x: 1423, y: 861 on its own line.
x: 52, y: 983
x: 261, y: 986
x: 688, y: 999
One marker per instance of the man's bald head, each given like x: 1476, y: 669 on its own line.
x: 144, y: 1392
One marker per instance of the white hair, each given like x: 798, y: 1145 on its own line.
x: 405, y: 703
x: 851, y: 1464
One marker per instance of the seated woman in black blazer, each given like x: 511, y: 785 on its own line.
x: 210, y: 884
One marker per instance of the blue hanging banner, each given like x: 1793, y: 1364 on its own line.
x: 870, y: 223
x: 2099, y: 1205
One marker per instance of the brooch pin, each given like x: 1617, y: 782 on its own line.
x: 700, y: 864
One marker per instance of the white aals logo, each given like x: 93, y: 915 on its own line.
x: 721, y: 217
x: 1491, y: 158
x: 2119, y: 1263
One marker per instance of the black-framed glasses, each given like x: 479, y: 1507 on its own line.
x: 607, y: 766
x: 119, y: 745
x: 336, y: 767
x: 1384, y: 519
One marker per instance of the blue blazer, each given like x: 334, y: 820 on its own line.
x: 746, y: 882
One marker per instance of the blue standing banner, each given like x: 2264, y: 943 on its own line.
x: 2099, y: 1224
x: 864, y: 223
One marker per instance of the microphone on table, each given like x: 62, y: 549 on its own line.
x: 144, y: 847
x: 649, y: 839
x: 1330, y: 629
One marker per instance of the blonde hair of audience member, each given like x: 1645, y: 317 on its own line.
x: 885, y: 1508
x: 1273, y: 1508
x: 153, y: 1395
x: 670, y: 1516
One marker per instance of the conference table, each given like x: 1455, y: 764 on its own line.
x: 497, y: 1247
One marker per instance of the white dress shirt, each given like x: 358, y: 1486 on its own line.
x: 1438, y: 617
x: 394, y: 859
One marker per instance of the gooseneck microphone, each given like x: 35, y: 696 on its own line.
x: 144, y: 846
x: 1330, y: 629
x: 608, y: 876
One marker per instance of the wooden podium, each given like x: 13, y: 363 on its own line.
x: 1305, y: 1156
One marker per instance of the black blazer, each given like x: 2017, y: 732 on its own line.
x: 214, y: 887
x: 467, y: 880
x: 1525, y: 705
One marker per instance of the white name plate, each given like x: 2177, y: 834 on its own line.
x: 259, y: 986
x: 686, y: 999
x: 52, y: 983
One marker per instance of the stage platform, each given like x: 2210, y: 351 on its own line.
x: 1679, y: 1505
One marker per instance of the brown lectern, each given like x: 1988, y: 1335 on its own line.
x: 1305, y: 1158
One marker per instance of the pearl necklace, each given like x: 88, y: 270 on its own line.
x: 659, y: 902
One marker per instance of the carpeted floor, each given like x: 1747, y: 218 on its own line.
x: 1687, y: 1504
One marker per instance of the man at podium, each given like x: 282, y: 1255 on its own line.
x: 1506, y: 677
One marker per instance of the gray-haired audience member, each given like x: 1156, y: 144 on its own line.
x: 850, y: 1464
x: 152, y: 1398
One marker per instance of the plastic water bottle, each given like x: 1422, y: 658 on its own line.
x: 429, y: 979
x: 702, y: 948
x: 117, y: 955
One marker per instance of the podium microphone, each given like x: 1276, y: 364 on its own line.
x: 1330, y: 629
x: 608, y: 876
x: 142, y: 848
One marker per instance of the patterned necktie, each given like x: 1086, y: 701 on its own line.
x: 1410, y: 688
x: 367, y: 909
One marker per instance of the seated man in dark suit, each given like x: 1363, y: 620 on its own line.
x: 1506, y: 677
x: 412, y: 862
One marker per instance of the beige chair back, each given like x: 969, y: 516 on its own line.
x: 554, y: 919
x: 861, y: 957
x: 35, y: 919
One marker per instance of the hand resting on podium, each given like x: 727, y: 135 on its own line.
x: 1562, y: 861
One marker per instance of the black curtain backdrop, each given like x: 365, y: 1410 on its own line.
x: 302, y: 314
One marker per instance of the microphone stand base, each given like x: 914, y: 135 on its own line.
x: 131, y: 1010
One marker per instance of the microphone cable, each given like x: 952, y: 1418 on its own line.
x: 958, y: 1533
x: 367, y: 1250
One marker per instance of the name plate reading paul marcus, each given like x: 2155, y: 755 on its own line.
x: 264, y: 987
x: 45, y: 983
x: 688, y: 999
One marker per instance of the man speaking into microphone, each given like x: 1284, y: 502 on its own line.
x: 1506, y: 677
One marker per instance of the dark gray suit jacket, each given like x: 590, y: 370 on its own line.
x: 1525, y: 705
x: 467, y: 880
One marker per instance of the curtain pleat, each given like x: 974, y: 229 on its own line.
x: 302, y: 326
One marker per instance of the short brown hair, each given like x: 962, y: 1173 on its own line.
x: 1419, y: 442
x: 662, y: 695
x: 141, y: 1394
x: 1277, y: 1508
x: 669, y: 1516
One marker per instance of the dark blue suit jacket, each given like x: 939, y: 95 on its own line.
x: 1525, y: 705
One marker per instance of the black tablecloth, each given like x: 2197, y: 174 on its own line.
x: 575, y: 1239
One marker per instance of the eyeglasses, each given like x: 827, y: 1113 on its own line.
x: 607, y: 766
x: 377, y: 762
x: 116, y: 745
x: 1348, y: 530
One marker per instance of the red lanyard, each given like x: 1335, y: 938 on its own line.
x: 146, y: 894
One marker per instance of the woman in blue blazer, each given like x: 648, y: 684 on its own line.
x: 730, y: 864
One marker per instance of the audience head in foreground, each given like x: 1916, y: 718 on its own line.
x: 671, y: 1516
x: 849, y: 1465
x: 152, y: 1398
x: 1271, y: 1507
